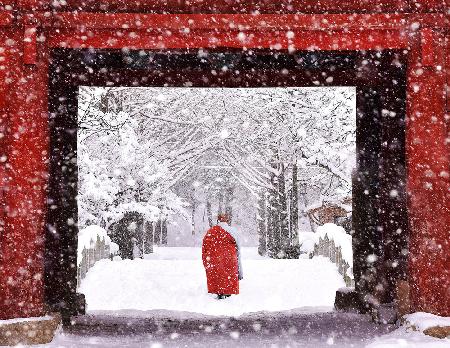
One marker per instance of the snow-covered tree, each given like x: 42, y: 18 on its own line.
x: 170, y: 147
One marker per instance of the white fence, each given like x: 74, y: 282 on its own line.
x: 93, y: 245
x: 89, y: 256
x: 332, y: 242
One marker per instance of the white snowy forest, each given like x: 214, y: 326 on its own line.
x: 176, y: 157
x: 157, y: 165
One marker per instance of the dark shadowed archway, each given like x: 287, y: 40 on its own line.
x: 380, y: 79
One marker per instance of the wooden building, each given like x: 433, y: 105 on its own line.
x: 395, y: 52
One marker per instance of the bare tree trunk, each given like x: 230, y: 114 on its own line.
x: 194, y: 206
x: 164, y: 231
x: 153, y: 234
x: 209, y: 213
x: 294, y: 206
x: 273, y: 228
x: 148, y: 237
x: 262, y: 226
x: 283, y: 212
x: 228, y: 198
x: 157, y: 234
x: 221, y: 198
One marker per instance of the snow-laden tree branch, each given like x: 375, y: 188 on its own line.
x: 137, y: 144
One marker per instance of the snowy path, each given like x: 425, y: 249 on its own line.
x: 174, y: 279
x: 165, y: 297
x: 297, y: 328
x: 293, y: 329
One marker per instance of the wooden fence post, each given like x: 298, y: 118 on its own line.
x: 97, y: 250
x: 326, y: 247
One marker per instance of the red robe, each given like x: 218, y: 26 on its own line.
x: 219, y: 254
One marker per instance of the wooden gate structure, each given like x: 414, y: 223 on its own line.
x: 402, y: 45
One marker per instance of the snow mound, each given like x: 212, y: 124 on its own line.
x: 423, y: 320
x: 340, y: 237
x: 404, y: 337
x: 147, y: 210
x: 23, y: 320
x: 307, y: 241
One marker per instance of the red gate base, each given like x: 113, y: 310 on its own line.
x: 349, y: 300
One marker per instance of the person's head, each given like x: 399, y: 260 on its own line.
x: 223, y: 218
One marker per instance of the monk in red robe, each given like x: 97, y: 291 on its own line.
x: 220, y: 254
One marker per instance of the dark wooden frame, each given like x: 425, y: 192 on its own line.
x: 380, y: 168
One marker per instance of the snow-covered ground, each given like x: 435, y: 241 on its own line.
x: 405, y: 337
x: 422, y: 321
x: 282, y: 329
x: 162, y: 302
x: 174, y: 279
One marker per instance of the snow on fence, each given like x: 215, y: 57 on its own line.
x: 93, y: 244
x: 333, y: 242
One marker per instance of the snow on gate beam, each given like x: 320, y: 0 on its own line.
x: 244, y: 22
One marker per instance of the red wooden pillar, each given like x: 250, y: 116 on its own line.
x: 428, y: 176
x: 22, y: 241
x: 3, y: 136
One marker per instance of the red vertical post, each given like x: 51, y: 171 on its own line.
x: 447, y: 74
x: 428, y: 5
x: 428, y: 178
x: 3, y: 134
x: 22, y: 241
x: 30, y: 45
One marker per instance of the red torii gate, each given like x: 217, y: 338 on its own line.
x: 30, y: 29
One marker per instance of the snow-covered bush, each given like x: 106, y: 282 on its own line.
x: 307, y: 241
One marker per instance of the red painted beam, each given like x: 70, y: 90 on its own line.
x: 224, y: 6
x: 429, y: 43
x: 236, y: 7
x: 228, y: 21
x: 447, y: 70
x: 300, y: 40
x: 32, y: 5
x: 247, y: 6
